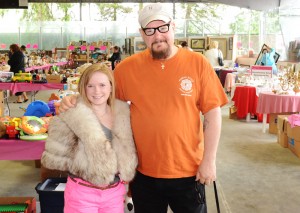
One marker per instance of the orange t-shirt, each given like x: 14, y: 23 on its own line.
x: 165, y: 107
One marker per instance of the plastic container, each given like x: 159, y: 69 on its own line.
x: 51, y: 201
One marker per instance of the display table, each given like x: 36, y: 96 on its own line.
x: 45, y: 67
x: 21, y: 150
x: 245, y: 100
x: 229, y: 82
x: 28, y: 87
x: 223, y: 73
x: 269, y: 102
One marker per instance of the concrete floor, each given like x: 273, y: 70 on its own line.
x: 255, y: 174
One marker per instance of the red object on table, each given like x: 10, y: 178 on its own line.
x: 245, y: 100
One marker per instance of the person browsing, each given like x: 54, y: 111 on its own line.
x: 17, y: 65
x: 169, y: 88
x: 94, y: 143
x: 213, y: 53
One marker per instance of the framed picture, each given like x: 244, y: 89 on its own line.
x: 265, y: 49
x: 178, y: 41
x: 222, y: 45
x: 197, y: 43
x: 139, y: 45
x: 230, y: 40
x: 127, y: 45
x: 199, y: 51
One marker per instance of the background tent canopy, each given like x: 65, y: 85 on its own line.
x: 250, y: 4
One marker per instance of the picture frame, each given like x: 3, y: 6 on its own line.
x: 197, y: 43
x: 200, y: 51
x: 260, y: 55
x: 222, y: 44
x: 139, y: 45
x: 230, y: 41
x: 175, y: 41
x: 178, y: 41
x: 127, y: 45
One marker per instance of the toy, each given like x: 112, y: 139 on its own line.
x: 38, y: 109
x: 33, y: 128
x: 22, y: 77
x: 12, y: 132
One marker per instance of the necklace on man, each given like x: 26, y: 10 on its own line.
x: 162, y: 66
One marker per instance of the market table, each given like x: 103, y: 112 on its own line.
x: 223, y: 73
x: 29, y: 87
x: 269, y: 102
x: 245, y: 100
x: 45, y: 66
x: 21, y: 150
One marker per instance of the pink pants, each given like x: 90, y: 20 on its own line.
x: 83, y: 199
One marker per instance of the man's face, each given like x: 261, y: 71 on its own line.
x: 160, y: 44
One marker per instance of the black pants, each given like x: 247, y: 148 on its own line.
x: 153, y: 195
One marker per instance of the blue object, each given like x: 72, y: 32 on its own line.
x: 38, y: 109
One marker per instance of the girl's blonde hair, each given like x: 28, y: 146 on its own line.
x: 86, y: 76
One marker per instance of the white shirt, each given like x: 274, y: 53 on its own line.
x: 212, y: 56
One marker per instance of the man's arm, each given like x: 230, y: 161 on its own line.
x: 212, y: 129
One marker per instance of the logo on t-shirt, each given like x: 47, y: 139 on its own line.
x: 186, y: 85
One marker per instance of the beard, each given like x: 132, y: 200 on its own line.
x: 161, y: 54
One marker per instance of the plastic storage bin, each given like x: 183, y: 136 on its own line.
x: 51, y: 201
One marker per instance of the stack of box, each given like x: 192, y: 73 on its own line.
x: 282, y: 137
x: 294, y: 139
x: 273, y: 121
x: 232, y: 112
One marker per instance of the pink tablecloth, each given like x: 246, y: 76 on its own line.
x: 21, y: 150
x: 269, y: 102
x: 6, y: 86
x: 26, y: 87
x: 44, y: 67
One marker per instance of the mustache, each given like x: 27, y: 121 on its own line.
x: 159, y: 41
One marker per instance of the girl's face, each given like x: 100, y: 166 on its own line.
x: 98, y: 89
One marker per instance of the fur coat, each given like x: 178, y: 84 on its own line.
x: 77, y: 144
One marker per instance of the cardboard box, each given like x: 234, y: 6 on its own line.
x: 82, y: 56
x: 282, y: 121
x: 232, y: 112
x: 294, y: 146
x: 29, y: 200
x: 293, y: 139
x: 293, y: 132
x: 273, y: 121
x: 54, y: 78
x: 282, y: 139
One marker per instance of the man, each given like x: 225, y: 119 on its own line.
x: 168, y: 88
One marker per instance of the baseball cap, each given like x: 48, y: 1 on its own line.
x: 152, y: 12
